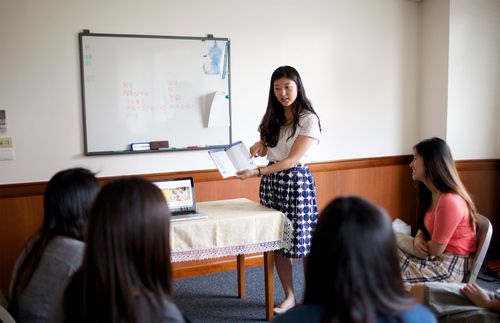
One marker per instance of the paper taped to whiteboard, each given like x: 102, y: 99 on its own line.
x: 219, y: 110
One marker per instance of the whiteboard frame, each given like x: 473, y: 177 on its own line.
x: 209, y: 37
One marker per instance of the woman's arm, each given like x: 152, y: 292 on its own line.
x: 435, y: 249
x: 299, y: 148
x: 420, y: 246
x: 425, y: 248
x: 259, y: 149
x: 477, y: 296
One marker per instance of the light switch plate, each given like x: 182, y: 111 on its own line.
x: 6, y: 142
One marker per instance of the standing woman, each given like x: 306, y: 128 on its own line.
x: 54, y: 253
x: 289, y: 128
x: 446, y: 215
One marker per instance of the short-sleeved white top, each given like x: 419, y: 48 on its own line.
x: 308, y: 126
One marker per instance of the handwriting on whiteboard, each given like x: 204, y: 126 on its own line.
x: 139, y: 102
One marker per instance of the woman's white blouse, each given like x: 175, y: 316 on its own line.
x: 308, y: 126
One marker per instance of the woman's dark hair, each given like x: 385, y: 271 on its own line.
x: 274, y: 117
x: 67, y: 201
x: 441, y: 171
x: 353, y: 267
x: 127, y: 255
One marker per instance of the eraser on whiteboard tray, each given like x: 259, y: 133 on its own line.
x: 137, y: 146
x: 155, y: 145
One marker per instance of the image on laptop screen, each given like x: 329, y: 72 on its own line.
x: 179, y: 194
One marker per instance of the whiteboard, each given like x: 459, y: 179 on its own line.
x: 139, y: 88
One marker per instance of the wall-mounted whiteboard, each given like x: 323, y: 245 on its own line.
x: 139, y: 89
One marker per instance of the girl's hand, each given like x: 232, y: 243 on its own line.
x: 258, y: 149
x: 476, y: 295
x: 244, y: 174
x: 420, y: 247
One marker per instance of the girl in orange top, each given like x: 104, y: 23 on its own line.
x: 446, y: 218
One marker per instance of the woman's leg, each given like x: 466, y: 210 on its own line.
x: 285, y: 273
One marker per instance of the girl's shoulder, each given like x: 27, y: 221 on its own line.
x: 308, y: 119
x: 452, y: 198
x: 306, y: 115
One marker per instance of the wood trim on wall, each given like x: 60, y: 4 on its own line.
x: 37, y: 188
x: 384, y: 180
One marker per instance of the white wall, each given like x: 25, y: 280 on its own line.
x: 359, y: 60
x: 434, y: 73
x: 474, y: 79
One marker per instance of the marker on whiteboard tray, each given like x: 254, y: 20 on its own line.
x: 193, y: 147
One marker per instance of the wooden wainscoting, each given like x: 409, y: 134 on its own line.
x: 384, y: 180
x: 482, y: 179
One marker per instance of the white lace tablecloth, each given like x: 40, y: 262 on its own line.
x: 233, y: 227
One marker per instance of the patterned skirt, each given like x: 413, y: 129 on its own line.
x: 293, y: 193
x: 444, y: 268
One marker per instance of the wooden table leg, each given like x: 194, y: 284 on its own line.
x: 269, y: 283
x: 240, y: 263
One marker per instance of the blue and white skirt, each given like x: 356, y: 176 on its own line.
x: 293, y: 193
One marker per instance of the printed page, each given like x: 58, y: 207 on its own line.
x: 223, y: 163
x: 240, y: 156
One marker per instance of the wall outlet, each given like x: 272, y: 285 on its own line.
x: 6, y: 153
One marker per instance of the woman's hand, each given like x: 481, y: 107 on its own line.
x: 476, y: 295
x: 420, y: 247
x: 244, y: 174
x: 258, y: 149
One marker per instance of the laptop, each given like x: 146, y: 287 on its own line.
x: 180, y: 197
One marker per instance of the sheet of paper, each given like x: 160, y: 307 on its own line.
x: 240, y: 156
x: 219, y: 110
x: 223, y: 163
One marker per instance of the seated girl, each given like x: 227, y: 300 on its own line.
x: 126, y: 272
x: 54, y: 253
x: 352, y: 273
x: 446, y: 236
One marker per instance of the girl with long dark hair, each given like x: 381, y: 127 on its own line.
x: 54, y: 253
x: 353, y: 271
x: 289, y: 129
x: 446, y: 216
x: 126, y: 272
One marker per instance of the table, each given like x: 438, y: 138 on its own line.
x: 233, y: 227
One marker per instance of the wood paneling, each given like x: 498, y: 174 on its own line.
x: 482, y: 179
x: 20, y: 217
x: 386, y: 181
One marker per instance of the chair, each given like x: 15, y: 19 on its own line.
x: 483, y: 233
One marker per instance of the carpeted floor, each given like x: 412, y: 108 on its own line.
x: 213, y: 298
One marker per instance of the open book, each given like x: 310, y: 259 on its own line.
x: 232, y: 159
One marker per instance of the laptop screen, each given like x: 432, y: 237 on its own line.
x: 179, y: 194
